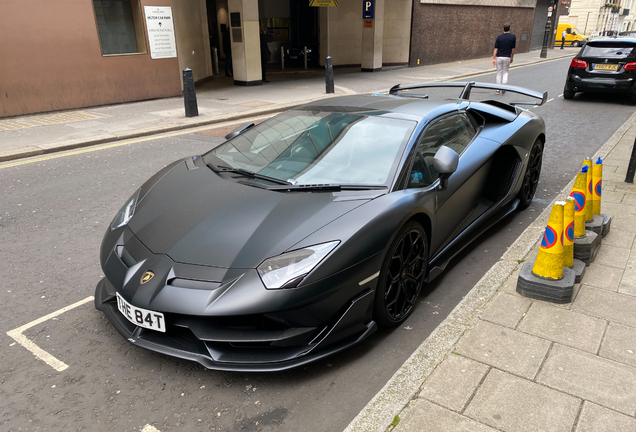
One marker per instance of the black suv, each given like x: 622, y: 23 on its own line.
x: 603, y: 65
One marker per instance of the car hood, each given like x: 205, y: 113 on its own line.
x: 196, y: 217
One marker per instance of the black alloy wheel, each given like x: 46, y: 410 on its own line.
x: 533, y: 173
x: 402, y: 276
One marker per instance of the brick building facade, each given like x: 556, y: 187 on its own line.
x: 450, y: 30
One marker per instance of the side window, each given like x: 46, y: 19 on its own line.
x: 454, y: 131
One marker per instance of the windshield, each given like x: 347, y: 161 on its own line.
x: 314, y: 147
x: 607, y: 50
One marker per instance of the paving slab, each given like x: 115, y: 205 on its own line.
x: 614, y: 307
x: 506, y: 310
x: 595, y: 418
x: 619, y: 344
x: 590, y: 377
x: 465, y: 374
x: 422, y: 415
x: 628, y: 281
x: 504, y: 348
x: 619, y: 239
x: 601, y: 276
x: 612, y: 256
x: 563, y: 326
x: 512, y: 404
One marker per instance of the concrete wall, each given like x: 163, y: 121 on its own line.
x: 341, y: 32
x: 397, y: 32
x: 51, y: 60
x: 445, y: 33
x: 191, y: 32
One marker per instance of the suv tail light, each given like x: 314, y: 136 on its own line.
x: 630, y: 66
x: 577, y: 63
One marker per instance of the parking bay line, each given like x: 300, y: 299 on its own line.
x: 17, y: 335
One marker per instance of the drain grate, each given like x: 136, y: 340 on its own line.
x: 63, y: 118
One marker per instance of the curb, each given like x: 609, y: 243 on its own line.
x: 404, y: 385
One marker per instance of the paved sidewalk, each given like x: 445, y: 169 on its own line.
x: 219, y: 101
x: 503, y: 362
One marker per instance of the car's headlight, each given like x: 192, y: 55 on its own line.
x: 126, y: 212
x: 282, y: 271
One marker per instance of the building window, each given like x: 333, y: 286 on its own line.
x: 120, y: 26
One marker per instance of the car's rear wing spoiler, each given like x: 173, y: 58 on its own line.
x: 468, y: 86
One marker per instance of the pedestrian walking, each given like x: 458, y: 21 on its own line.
x: 266, y: 54
x: 227, y: 49
x: 563, y: 36
x: 503, y: 54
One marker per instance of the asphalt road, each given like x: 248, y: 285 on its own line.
x: 53, y: 214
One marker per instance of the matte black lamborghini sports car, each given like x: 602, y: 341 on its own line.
x: 296, y: 238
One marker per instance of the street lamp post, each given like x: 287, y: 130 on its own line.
x: 549, y: 25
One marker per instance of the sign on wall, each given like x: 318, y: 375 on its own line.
x: 368, y: 9
x: 160, y: 32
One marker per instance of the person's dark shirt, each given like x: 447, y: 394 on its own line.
x: 504, y: 43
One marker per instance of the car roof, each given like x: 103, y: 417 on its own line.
x: 413, y: 107
x: 630, y: 40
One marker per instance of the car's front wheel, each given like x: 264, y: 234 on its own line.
x: 402, y: 276
x: 533, y: 173
x: 577, y: 44
x: 568, y: 94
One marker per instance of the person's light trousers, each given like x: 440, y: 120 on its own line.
x: 503, y: 64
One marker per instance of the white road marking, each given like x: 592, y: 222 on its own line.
x: 549, y: 100
x: 344, y: 89
x: 561, y: 95
x: 36, y: 350
x: 369, y: 279
x: 150, y: 428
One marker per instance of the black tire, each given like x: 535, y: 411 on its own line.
x: 568, y: 94
x: 402, y: 276
x: 576, y: 44
x: 531, y: 178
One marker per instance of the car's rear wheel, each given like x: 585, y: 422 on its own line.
x: 577, y: 44
x: 568, y: 94
x: 402, y: 276
x: 533, y: 173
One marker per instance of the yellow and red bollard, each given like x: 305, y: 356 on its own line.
x: 586, y: 241
x: 549, y: 262
x: 568, y: 240
x: 578, y: 193
x: 597, y: 179
x: 546, y: 278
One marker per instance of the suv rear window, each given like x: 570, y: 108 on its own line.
x: 607, y: 50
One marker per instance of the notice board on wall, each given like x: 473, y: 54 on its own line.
x: 160, y: 32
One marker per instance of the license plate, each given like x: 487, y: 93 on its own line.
x: 605, y: 67
x: 143, y: 318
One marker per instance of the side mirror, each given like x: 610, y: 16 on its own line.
x: 238, y: 131
x: 445, y: 163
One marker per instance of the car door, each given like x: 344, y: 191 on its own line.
x: 455, y: 205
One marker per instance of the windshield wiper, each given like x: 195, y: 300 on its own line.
x: 324, y: 187
x: 248, y: 173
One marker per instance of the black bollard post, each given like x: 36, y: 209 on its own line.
x: 629, y: 178
x: 189, y: 95
x: 329, y: 75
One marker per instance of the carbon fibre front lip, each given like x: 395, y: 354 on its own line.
x: 132, y: 334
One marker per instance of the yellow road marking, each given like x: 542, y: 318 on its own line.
x: 128, y: 142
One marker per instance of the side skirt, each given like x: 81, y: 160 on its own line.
x: 470, y: 234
